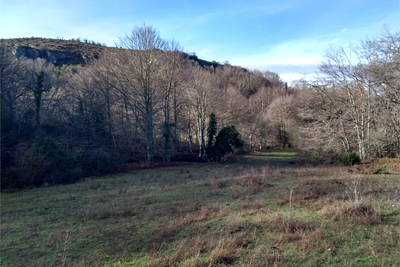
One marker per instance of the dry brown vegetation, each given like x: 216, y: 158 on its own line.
x: 207, y: 215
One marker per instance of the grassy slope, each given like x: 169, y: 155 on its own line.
x: 202, y: 214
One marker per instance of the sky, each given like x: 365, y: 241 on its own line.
x: 288, y: 37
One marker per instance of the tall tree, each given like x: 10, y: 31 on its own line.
x: 170, y: 78
x: 12, y: 87
x: 355, y: 101
x: 211, y: 132
x: 39, y: 83
x: 201, y: 94
x: 141, y: 65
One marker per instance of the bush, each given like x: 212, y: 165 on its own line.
x: 45, y: 162
x: 350, y: 159
x: 99, y: 161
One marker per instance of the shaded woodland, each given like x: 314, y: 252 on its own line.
x: 146, y: 100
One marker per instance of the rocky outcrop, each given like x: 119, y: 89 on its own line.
x: 57, y: 58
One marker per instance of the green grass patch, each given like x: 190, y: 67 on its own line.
x: 254, y: 211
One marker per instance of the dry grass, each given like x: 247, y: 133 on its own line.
x: 273, y: 260
x: 287, y: 225
x: 365, y: 213
x: 255, y: 179
x: 359, y: 213
x: 223, y: 253
x: 204, y: 215
x: 313, y: 189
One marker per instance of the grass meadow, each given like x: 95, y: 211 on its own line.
x: 253, y: 210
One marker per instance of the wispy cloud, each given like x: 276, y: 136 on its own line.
x: 283, y: 37
x: 54, y: 20
x: 299, y: 58
x: 300, y: 52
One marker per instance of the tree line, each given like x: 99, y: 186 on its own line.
x: 149, y: 101
x: 355, y: 104
x: 145, y: 101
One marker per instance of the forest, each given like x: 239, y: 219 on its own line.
x: 146, y: 100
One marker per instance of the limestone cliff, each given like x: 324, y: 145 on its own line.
x: 55, y: 57
x: 58, y: 52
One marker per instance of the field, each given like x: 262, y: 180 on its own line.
x: 254, y: 210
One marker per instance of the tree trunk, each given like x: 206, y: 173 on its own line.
x: 38, y: 92
x: 149, y: 132
x: 190, y: 138
x: 167, y: 130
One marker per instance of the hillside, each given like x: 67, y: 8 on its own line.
x: 65, y: 52
x: 91, y: 118
x: 57, y: 51
x: 60, y: 125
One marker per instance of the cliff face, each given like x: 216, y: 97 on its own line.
x: 66, y: 52
x: 58, y: 52
x: 58, y: 58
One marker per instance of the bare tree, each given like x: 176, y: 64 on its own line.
x: 12, y: 87
x: 274, y: 78
x: 348, y: 77
x: 141, y: 65
x: 201, y: 95
x: 381, y: 57
x: 170, y: 78
x: 281, y: 114
x: 356, y: 98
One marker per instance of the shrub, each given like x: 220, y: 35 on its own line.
x: 99, y: 161
x: 350, y: 159
x: 47, y: 162
x: 378, y: 170
x: 44, y: 162
x: 226, y: 139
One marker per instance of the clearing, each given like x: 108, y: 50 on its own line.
x: 254, y: 210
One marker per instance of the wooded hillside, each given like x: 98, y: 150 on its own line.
x: 71, y: 109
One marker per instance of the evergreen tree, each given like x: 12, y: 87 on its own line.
x: 227, y: 138
x: 211, y: 131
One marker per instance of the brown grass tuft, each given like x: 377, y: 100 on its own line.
x: 217, y: 184
x: 359, y: 212
x: 256, y: 179
x: 331, y: 213
x: 222, y: 254
x: 313, y: 189
x: 363, y: 211
x: 180, y: 223
x: 291, y: 225
x: 273, y: 260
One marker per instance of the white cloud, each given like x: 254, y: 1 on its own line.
x: 292, y: 60
x: 299, y: 58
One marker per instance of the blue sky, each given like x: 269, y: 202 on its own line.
x: 287, y: 36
